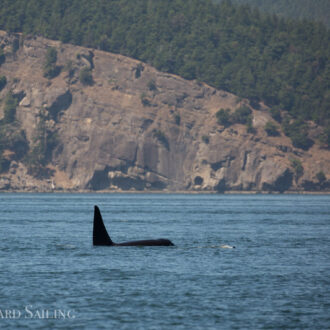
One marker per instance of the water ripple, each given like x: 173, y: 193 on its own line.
x: 276, y: 277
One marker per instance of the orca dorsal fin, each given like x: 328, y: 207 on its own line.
x: 100, y: 234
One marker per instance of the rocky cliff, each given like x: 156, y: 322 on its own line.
x: 118, y: 124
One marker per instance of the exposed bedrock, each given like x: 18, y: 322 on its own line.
x: 134, y: 128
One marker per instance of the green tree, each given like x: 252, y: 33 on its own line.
x: 249, y: 126
x: 309, y: 9
x: 69, y: 68
x: 242, y: 115
x: 86, y: 77
x: 325, y: 136
x: 223, y: 117
x: 15, y: 45
x: 10, y: 108
x: 271, y: 129
x: 50, y: 68
x: 2, y: 142
x: 297, y: 130
x: 177, y: 119
x: 152, y: 85
x: 279, y: 62
x: 298, y: 168
x: 44, y: 141
x: 2, y: 56
x: 3, y: 82
x: 320, y: 176
x: 276, y: 114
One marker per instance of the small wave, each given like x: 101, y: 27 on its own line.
x: 65, y: 247
x: 223, y: 246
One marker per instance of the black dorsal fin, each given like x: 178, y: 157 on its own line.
x: 100, y: 234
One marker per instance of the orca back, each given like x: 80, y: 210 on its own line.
x: 147, y: 242
x: 101, y: 236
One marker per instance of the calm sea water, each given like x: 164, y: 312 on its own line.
x: 278, y: 277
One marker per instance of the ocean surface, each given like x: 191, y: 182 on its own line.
x: 277, y: 277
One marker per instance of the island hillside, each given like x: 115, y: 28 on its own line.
x: 82, y: 119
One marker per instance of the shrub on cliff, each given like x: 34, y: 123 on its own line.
x: 4, y: 164
x: 177, y: 119
x: 276, y: 114
x: 3, y: 161
x: 152, y: 85
x: 85, y: 77
x: 144, y: 100
x: 161, y: 137
x: 51, y: 70
x: 241, y: 115
x: 138, y: 70
x: 44, y: 142
x: 223, y: 117
x: 15, y: 45
x: 12, y: 138
x: 249, y: 126
x: 298, y: 168
x: 3, y: 82
x: 15, y: 140
x: 10, y: 108
x: 320, y: 176
x: 205, y: 139
x: 297, y: 131
x: 325, y: 136
x: 69, y: 68
x: 271, y: 129
x: 2, y: 56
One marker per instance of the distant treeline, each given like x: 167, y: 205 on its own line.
x: 314, y: 10
x: 282, y: 62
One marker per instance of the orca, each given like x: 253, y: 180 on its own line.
x: 101, y: 236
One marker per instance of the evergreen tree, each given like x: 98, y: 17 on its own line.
x: 284, y: 63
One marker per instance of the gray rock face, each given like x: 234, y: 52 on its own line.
x: 139, y: 129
